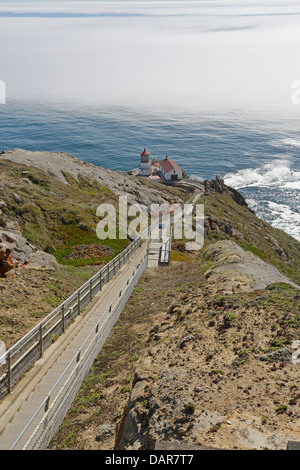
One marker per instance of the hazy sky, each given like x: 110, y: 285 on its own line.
x: 203, y: 54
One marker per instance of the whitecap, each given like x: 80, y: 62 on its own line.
x: 284, y: 211
x: 277, y: 173
x: 286, y: 142
x: 292, y: 185
x: 273, y: 176
x: 197, y: 178
x: 291, y: 142
x: 283, y: 217
x: 279, y: 215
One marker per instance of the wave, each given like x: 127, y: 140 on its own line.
x: 287, y: 142
x: 283, y: 217
x: 279, y: 208
x: 279, y: 215
x: 197, y: 178
x: 284, y: 211
x: 275, y: 174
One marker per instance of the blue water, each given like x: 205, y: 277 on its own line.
x: 257, y: 155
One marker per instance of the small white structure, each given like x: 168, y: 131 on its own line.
x: 170, y: 170
x: 145, y: 166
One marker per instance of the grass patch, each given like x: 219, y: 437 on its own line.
x: 179, y: 257
x: 71, y: 235
x: 52, y: 300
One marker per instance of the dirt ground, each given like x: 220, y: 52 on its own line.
x: 28, y: 295
x: 227, y: 357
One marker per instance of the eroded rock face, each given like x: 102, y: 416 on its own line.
x: 217, y: 185
x: 16, y: 251
x: 157, y: 410
x: 236, y: 270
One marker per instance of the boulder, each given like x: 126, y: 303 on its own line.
x: 16, y: 251
x: 105, y: 431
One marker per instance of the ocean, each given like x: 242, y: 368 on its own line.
x: 213, y: 84
x: 258, y: 156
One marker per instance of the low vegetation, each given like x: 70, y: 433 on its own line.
x: 216, y: 359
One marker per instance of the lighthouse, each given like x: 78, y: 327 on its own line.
x: 144, y: 166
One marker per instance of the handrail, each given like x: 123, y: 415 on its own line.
x: 23, y: 354
x: 47, y: 396
x: 45, y: 402
x: 75, y: 296
x: 88, y: 290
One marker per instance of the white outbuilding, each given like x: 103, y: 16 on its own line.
x: 170, y: 170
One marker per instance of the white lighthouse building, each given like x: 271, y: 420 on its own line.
x: 145, y: 166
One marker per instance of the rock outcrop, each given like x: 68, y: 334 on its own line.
x: 16, y: 251
x: 236, y: 270
x: 217, y: 184
x: 158, y: 410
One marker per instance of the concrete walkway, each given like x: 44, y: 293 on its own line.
x: 153, y: 254
x: 157, y: 247
x: 18, y: 407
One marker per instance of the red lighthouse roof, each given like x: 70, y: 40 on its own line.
x: 145, y: 152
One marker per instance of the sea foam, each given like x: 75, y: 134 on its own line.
x: 277, y: 174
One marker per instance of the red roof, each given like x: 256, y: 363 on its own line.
x: 144, y: 152
x: 167, y: 165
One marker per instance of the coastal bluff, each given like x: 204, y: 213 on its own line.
x: 202, y: 355
x: 62, y: 165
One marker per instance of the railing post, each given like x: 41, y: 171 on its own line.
x: 9, y: 371
x: 63, y: 317
x: 100, y: 280
x: 78, y: 356
x: 41, y: 339
x: 91, y: 289
x: 78, y: 303
x: 47, y: 402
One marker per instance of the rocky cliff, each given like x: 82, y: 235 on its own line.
x: 204, y: 353
x: 48, y: 241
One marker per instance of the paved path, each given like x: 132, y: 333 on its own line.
x: 161, y: 243
x: 17, y: 408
